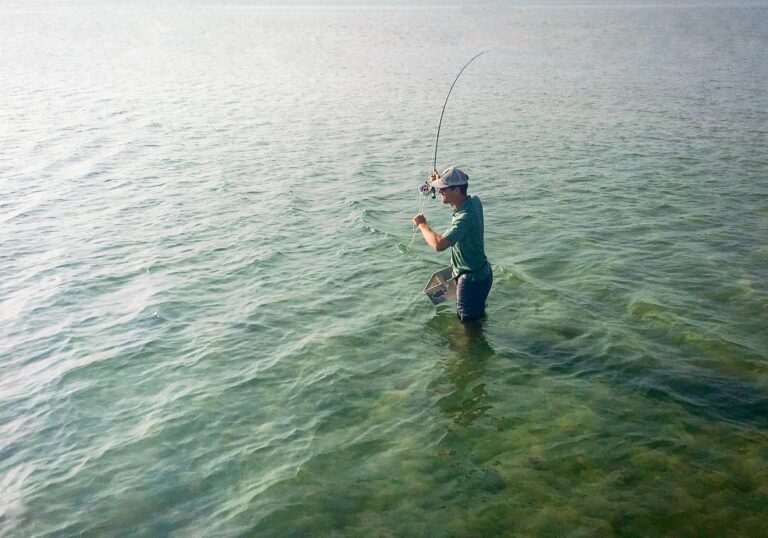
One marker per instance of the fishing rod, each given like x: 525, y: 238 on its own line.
x: 427, y: 189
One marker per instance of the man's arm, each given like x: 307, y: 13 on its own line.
x: 437, y: 242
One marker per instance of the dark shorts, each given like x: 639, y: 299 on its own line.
x: 471, y: 296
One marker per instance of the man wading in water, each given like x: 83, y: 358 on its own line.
x: 471, y: 269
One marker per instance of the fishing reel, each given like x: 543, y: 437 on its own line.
x: 426, y: 189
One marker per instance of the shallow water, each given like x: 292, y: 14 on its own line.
x: 211, y: 321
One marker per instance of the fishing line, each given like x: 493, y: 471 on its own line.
x: 413, y: 238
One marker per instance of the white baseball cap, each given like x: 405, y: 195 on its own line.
x: 451, y: 177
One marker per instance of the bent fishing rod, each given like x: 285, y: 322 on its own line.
x: 427, y: 189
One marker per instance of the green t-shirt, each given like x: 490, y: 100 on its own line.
x: 466, y: 236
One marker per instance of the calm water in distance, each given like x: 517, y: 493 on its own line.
x: 212, y: 324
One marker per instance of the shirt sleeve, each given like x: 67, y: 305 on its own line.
x: 457, y: 231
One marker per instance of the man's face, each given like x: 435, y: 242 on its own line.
x: 448, y: 194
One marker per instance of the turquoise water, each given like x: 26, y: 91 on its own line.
x: 211, y: 322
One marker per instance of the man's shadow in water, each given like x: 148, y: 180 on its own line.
x: 460, y: 392
x: 462, y: 383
